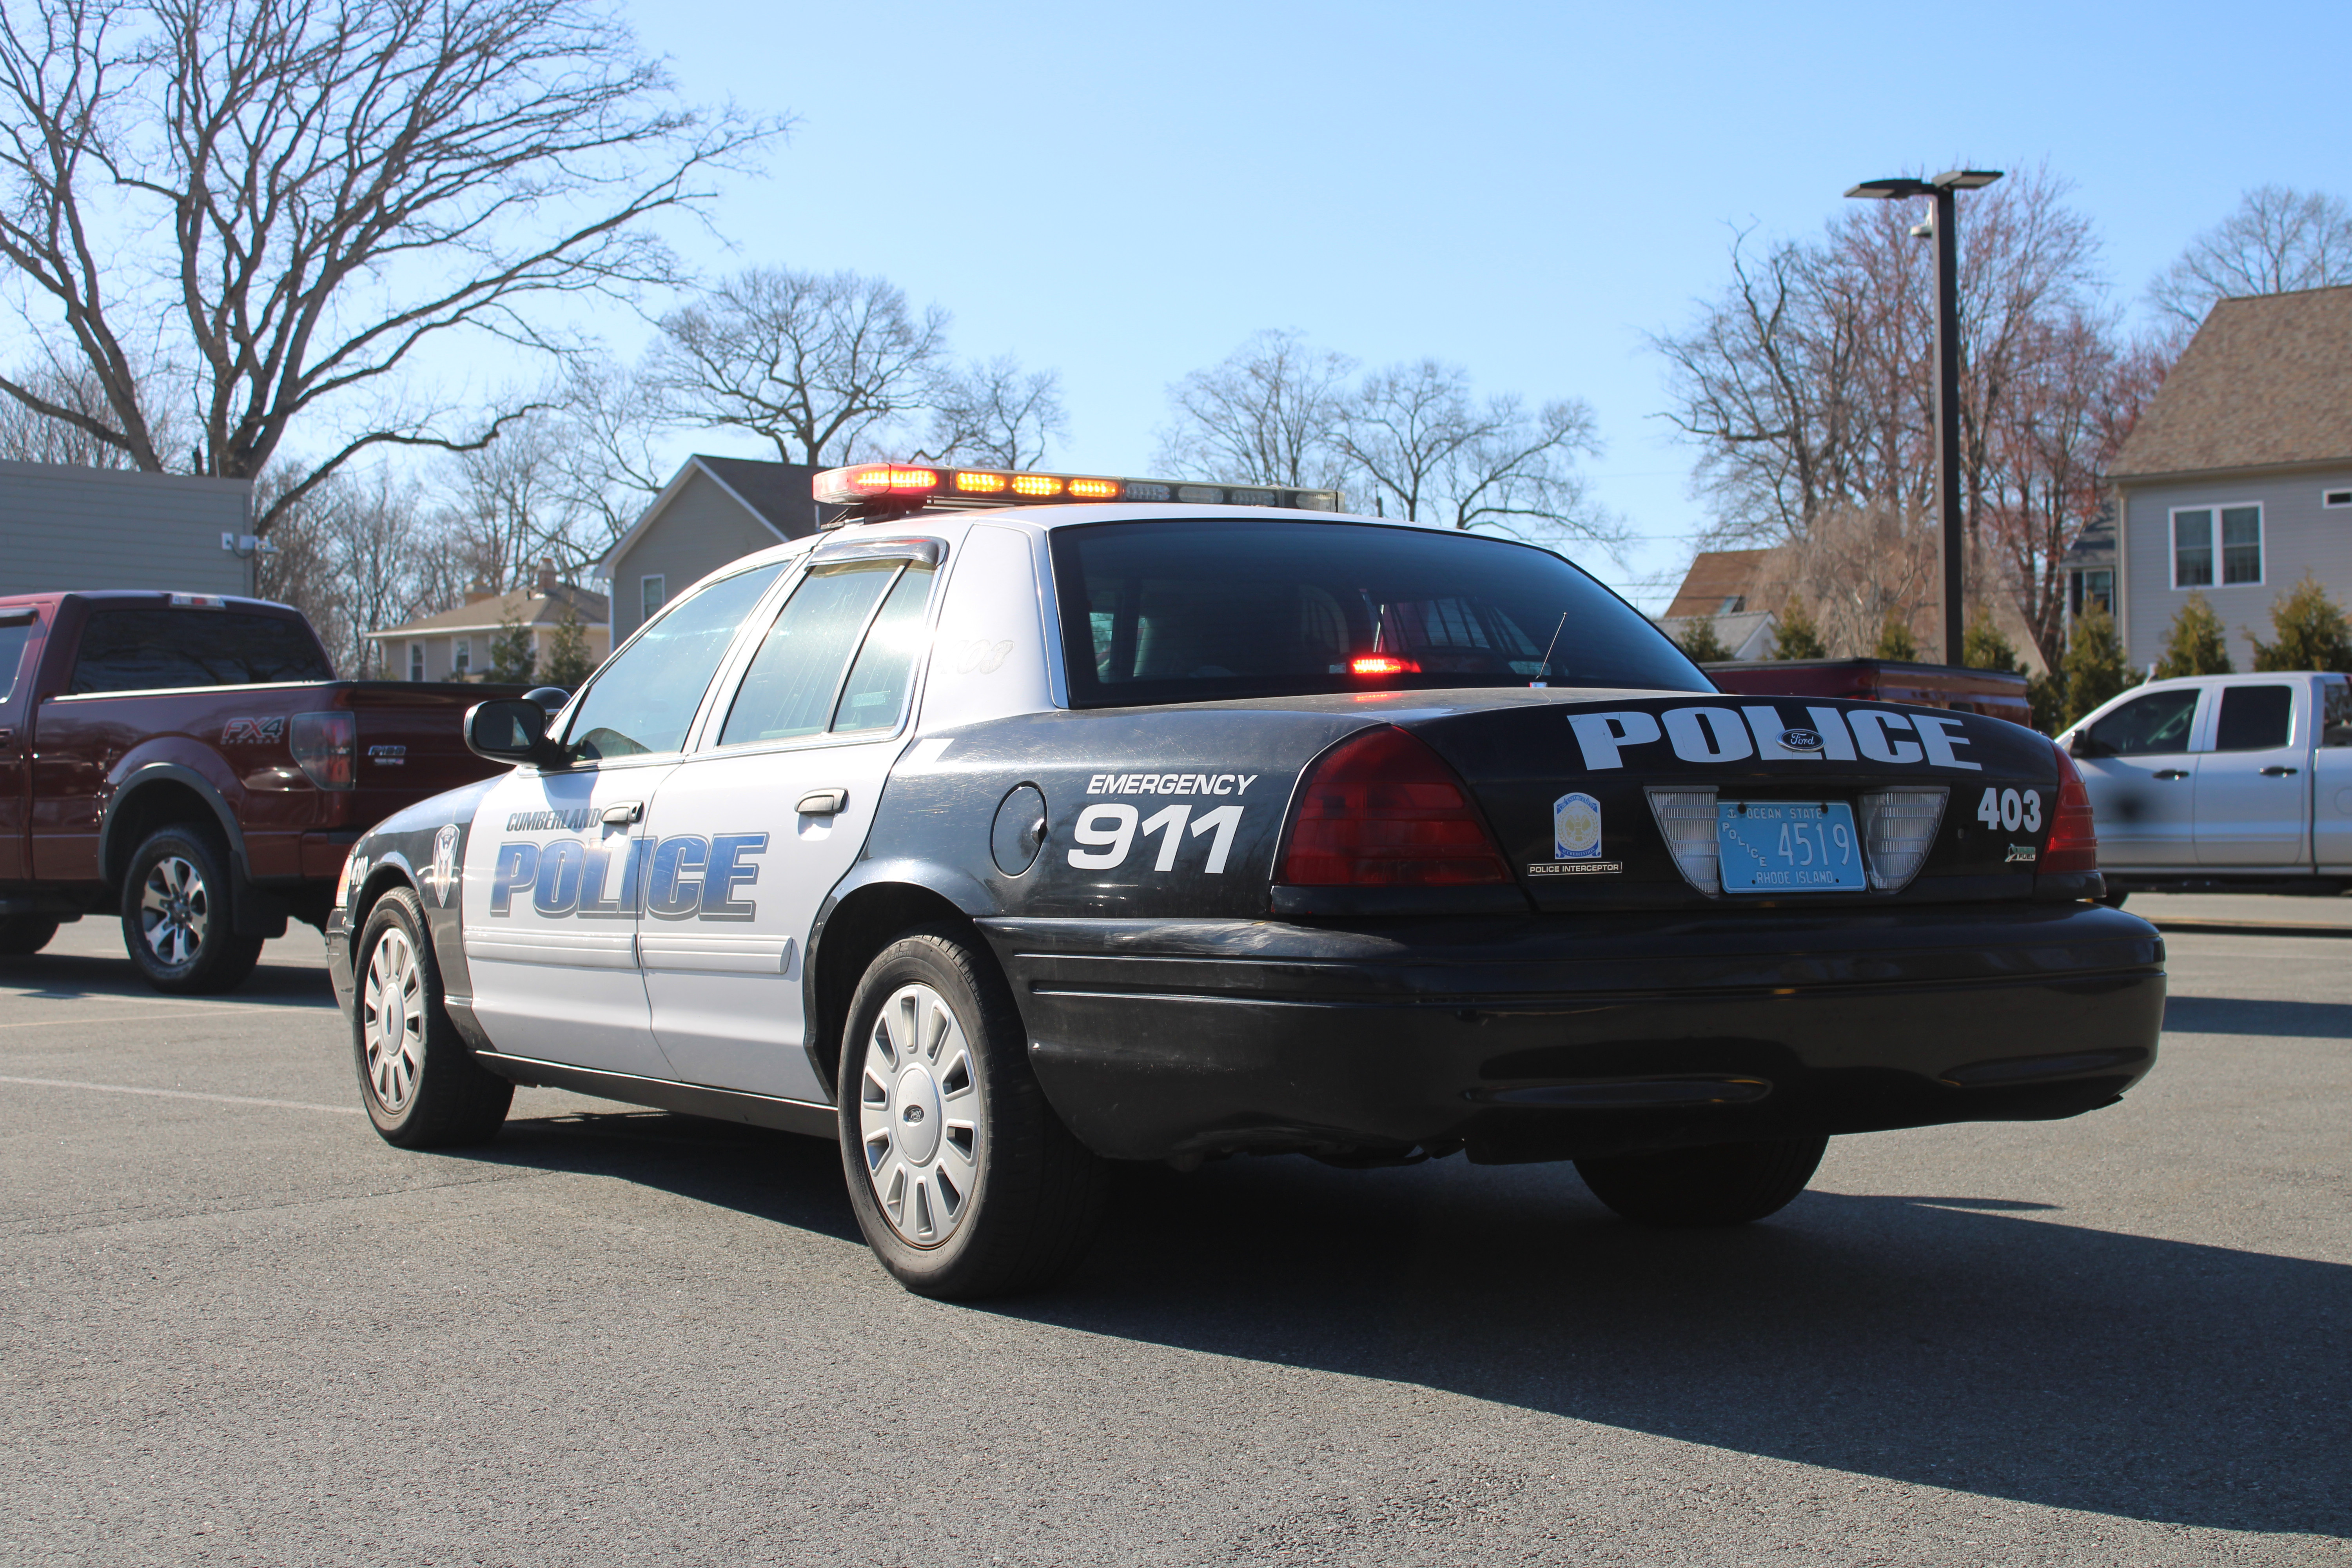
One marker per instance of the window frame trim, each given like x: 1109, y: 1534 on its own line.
x: 2261, y: 544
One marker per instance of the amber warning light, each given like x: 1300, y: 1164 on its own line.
x: 885, y: 489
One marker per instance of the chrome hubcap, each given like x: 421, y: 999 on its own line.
x: 392, y: 1020
x: 918, y: 1116
x: 176, y: 910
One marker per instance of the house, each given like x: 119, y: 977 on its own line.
x: 1733, y: 588
x: 715, y: 510
x: 2089, y: 564
x: 65, y: 526
x: 2237, y: 478
x: 456, y: 643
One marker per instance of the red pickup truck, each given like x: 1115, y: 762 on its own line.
x: 190, y: 762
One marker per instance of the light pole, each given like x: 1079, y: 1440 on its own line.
x: 1944, y: 188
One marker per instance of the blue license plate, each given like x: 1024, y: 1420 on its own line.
x: 1788, y: 846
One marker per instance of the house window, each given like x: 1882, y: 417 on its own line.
x: 649, y: 597
x: 2094, y: 587
x: 2234, y: 534
x: 461, y: 660
x: 2336, y: 498
x: 1733, y: 603
x: 416, y: 661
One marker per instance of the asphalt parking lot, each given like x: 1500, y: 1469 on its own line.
x: 240, y: 1328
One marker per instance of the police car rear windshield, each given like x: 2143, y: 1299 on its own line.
x: 1198, y: 610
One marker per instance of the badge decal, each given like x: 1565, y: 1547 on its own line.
x: 1576, y: 827
x: 443, y: 874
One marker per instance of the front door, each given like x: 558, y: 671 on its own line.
x: 759, y: 823
x: 560, y: 859
x: 2253, y: 788
x: 2141, y: 776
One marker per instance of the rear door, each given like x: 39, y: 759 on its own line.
x: 757, y: 825
x: 2253, y: 788
x: 2331, y: 785
x: 20, y: 643
x: 2142, y: 779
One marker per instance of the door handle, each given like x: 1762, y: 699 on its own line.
x: 2170, y: 773
x: 621, y: 813
x: 2275, y: 772
x: 824, y: 803
x: 7, y: 736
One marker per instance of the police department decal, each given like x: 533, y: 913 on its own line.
x: 1576, y: 827
x: 443, y: 874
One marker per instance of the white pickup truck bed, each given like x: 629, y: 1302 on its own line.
x: 2222, y: 781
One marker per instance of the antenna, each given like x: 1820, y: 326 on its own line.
x: 1539, y: 684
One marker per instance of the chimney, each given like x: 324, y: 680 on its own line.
x: 546, y: 577
x: 477, y: 590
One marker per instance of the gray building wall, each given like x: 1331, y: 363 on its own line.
x: 65, y: 527
x: 2299, y: 533
x: 701, y: 530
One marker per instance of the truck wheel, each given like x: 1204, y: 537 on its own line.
x: 421, y: 1085
x: 1721, y: 1184
x: 21, y: 934
x: 963, y: 1178
x: 176, y: 915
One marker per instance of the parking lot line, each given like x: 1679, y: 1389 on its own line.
x: 180, y: 1094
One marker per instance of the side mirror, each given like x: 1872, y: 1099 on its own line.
x: 552, y: 698
x: 512, y: 730
x: 2083, y: 748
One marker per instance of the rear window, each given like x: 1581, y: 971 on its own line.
x: 15, y: 630
x: 1190, y: 611
x: 149, y: 650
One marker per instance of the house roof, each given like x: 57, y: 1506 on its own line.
x: 777, y: 495
x: 1715, y: 575
x: 2095, y: 545
x: 1746, y: 633
x: 2266, y: 381
x: 524, y: 605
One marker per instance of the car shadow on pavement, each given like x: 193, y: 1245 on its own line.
x: 71, y: 977
x: 2235, y: 1015
x: 1948, y: 1342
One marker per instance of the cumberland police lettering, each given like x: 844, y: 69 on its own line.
x: 686, y: 878
x: 1731, y: 735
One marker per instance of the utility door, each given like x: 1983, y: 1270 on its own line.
x: 2141, y: 776
x: 756, y: 826
x: 2253, y: 788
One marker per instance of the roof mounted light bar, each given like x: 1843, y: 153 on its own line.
x: 892, y: 490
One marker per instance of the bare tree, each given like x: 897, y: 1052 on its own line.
x: 1858, y: 567
x: 2277, y: 239
x: 995, y: 414
x: 608, y: 455
x: 28, y: 435
x: 1268, y: 413
x: 821, y: 364
x: 355, y: 552
x: 338, y: 184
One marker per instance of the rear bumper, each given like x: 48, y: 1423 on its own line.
x: 1529, y: 1039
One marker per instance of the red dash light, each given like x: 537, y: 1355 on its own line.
x: 2074, y: 843
x: 1382, y: 664
x: 1383, y: 810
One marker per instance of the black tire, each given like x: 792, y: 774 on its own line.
x: 21, y: 934
x: 178, y: 924
x: 1720, y: 1185
x: 422, y: 1089
x: 1035, y: 1194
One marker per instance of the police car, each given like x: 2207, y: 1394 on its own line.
x: 1025, y: 823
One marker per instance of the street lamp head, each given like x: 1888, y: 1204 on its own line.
x: 1966, y: 179
x: 1893, y: 189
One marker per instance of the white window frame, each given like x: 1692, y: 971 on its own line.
x: 659, y: 581
x: 2331, y: 499
x: 2215, y: 508
x: 461, y: 655
x: 416, y: 661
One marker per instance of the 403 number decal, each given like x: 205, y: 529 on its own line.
x: 1109, y: 832
x: 2011, y: 810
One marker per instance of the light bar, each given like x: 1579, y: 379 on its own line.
x: 886, y: 490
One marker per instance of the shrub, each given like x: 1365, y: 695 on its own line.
x: 1795, y: 636
x: 2311, y: 631
x: 2196, y: 644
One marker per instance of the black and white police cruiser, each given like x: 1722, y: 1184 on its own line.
x: 1026, y: 823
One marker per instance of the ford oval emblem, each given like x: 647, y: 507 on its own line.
x: 1800, y: 740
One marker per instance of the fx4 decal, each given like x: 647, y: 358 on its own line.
x: 686, y: 878
x: 253, y: 731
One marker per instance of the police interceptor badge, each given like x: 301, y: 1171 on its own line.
x: 1575, y: 840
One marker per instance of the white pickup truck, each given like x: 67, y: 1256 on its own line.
x: 2213, y: 783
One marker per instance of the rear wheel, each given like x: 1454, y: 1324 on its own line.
x: 176, y: 918
x: 963, y: 1178
x: 21, y: 934
x: 422, y: 1087
x: 1721, y: 1184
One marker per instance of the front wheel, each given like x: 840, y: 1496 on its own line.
x: 422, y: 1087
x: 176, y: 919
x: 963, y: 1178
x: 1720, y: 1185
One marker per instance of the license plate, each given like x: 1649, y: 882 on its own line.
x: 1788, y: 846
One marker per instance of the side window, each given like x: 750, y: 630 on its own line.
x: 794, y: 688
x: 15, y: 630
x: 2255, y: 718
x: 645, y: 696
x: 2335, y: 721
x: 2155, y: 723
x: 154, y: 650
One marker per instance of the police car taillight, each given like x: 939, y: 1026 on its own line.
x: 883, y: 490
x: 1382, y: 810
x: 2074, y: 843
